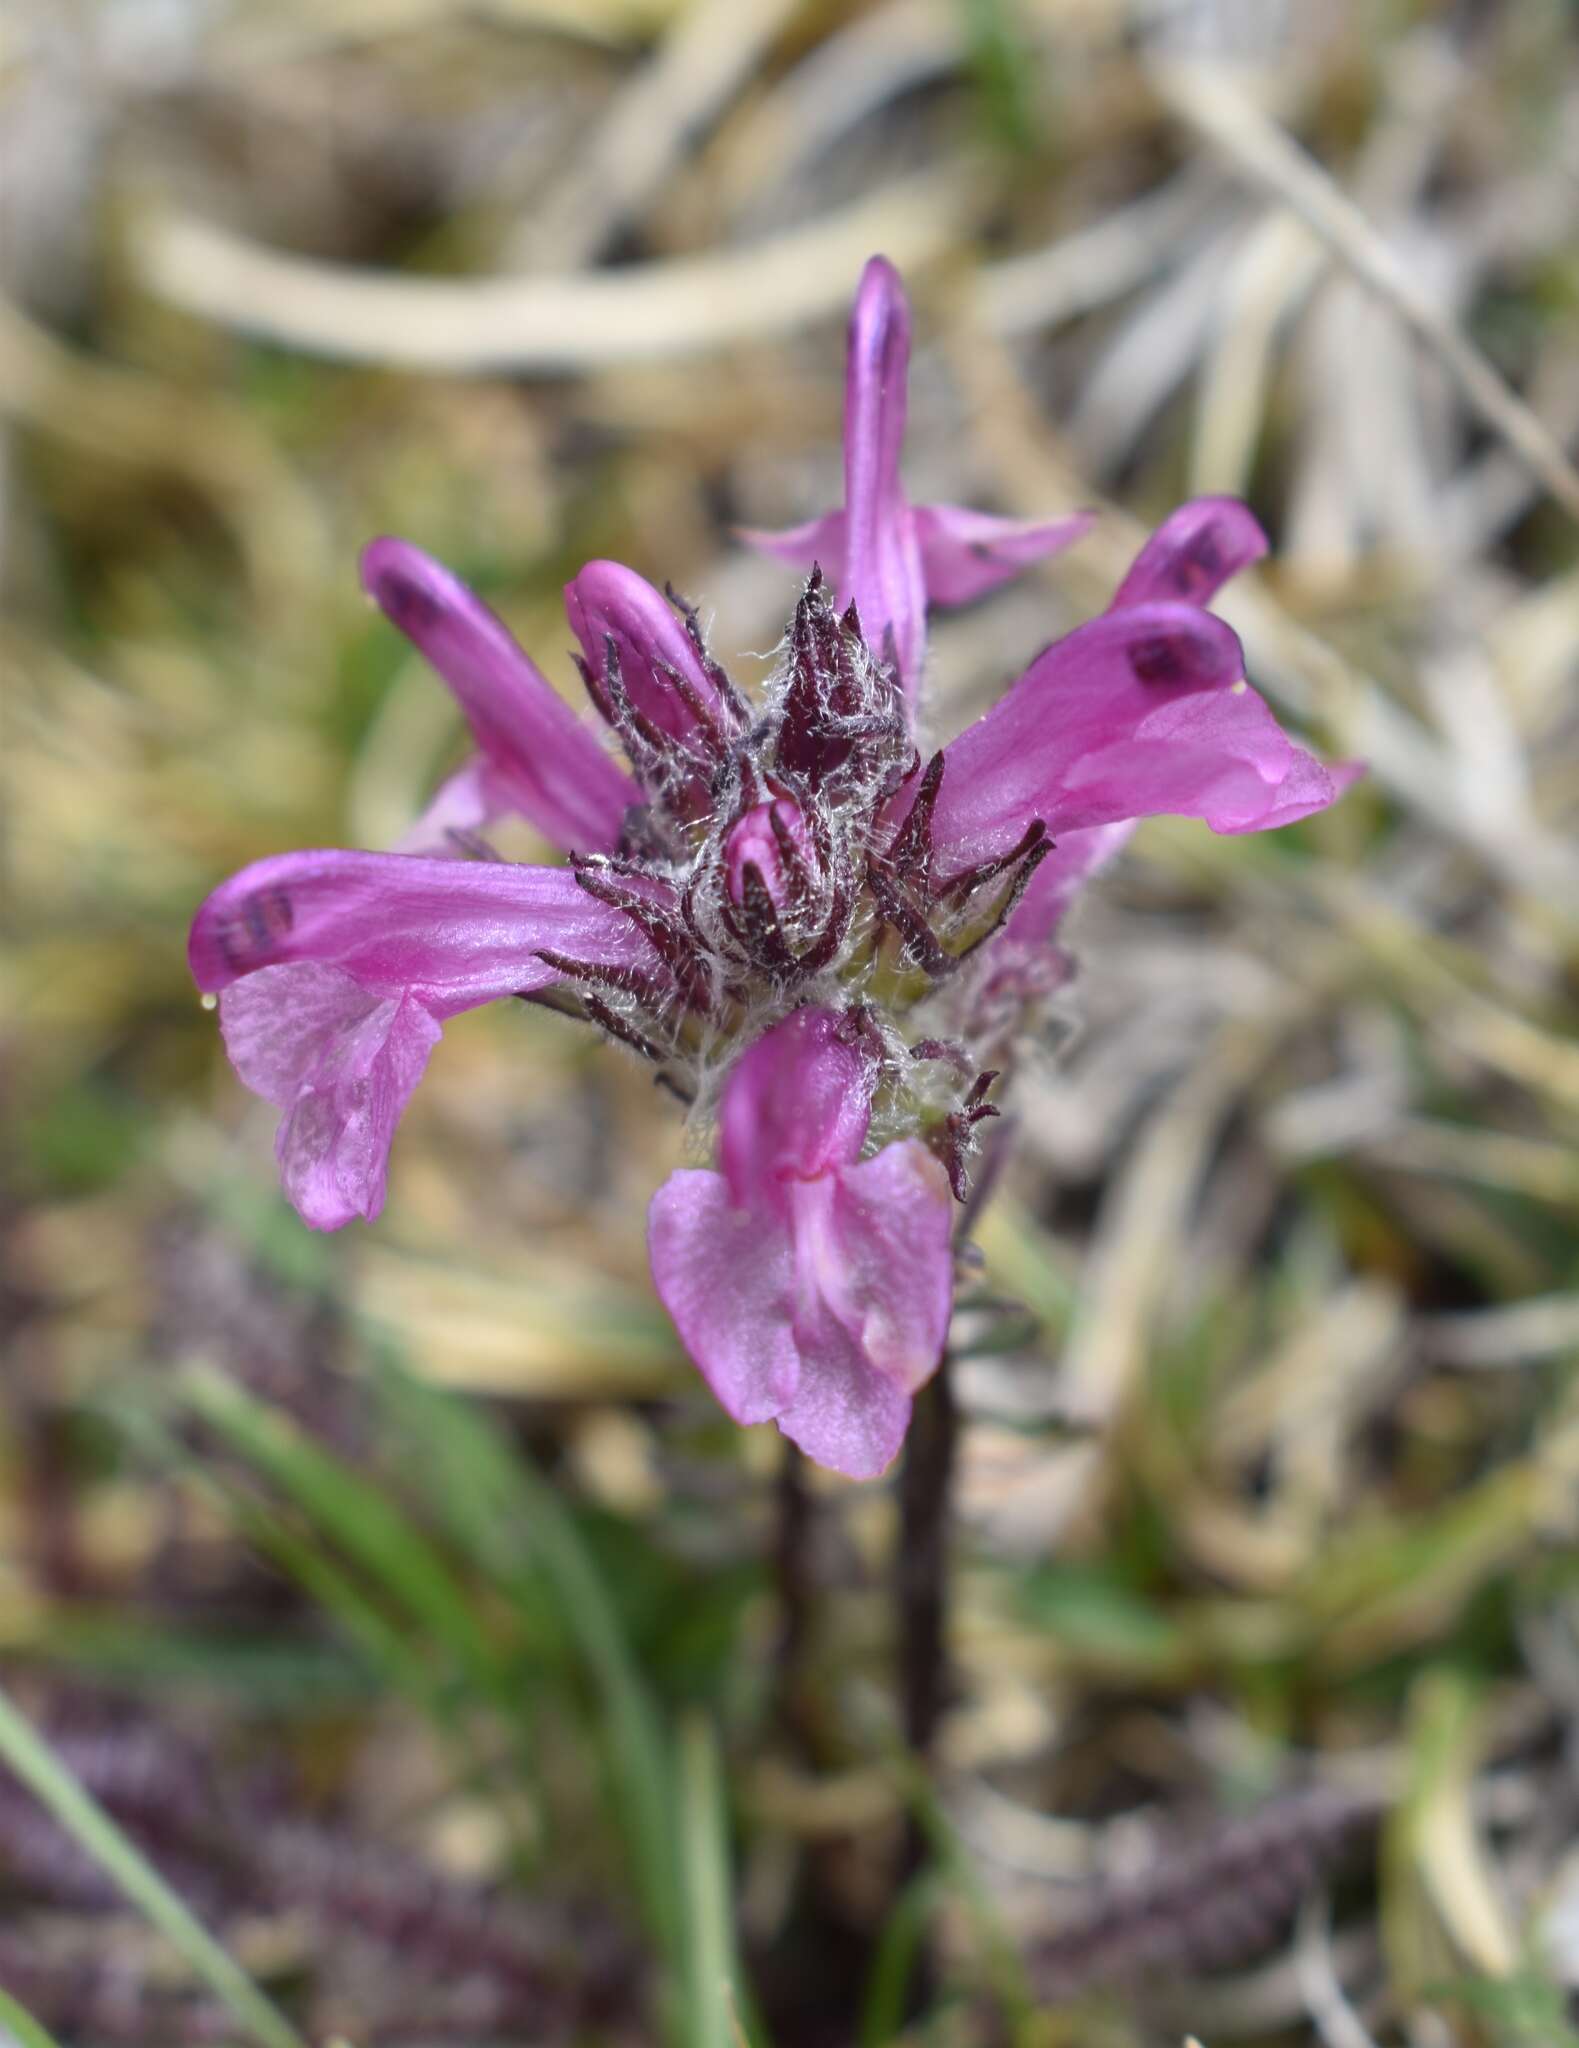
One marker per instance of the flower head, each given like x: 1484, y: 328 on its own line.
x: 813, y: 933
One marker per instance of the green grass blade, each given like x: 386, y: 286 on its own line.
x: 954, y: 1870
x: 46, y: 1777
x: 898, y: 1951
x: 1003, y: 68
x: 711, y: 1970
x: 523, y: 1503
x: 368, y: 1526
x: 383, y: 1648
x: 20, y: 2024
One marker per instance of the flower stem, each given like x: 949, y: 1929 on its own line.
x: 922, y: 1567
x: 926, y: 1479
x: 921, y: 1595
x: 794, y: 1580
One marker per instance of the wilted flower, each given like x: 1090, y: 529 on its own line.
x: 798, y: 918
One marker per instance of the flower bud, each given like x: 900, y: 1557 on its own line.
x: 783, y: 857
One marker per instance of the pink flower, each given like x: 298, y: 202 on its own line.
x: 890, y: 558
x: 811, y: 1287
x: 337, y: 971
x: 774, y: 904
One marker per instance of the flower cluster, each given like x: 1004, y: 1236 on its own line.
x: 820, y: 933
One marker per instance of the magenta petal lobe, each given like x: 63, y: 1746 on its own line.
x: 893, y: 1285
x: 1193, y: 553
x: 1075, y: 858
x: 338, y: 969
x: 874, y: 1272
x: 459, y: 932
x: 341, y: 1065
x: 463, y: 804
x: 725, y: 1275
x: 540, y: 760
x: 808, y: 1286
x: 659, y: 666
x: 882, y: 556
x: 877, y: 367
x: 888, y: 558
x: 964, y: 554
x: 844, y: 1415
x: 1054, y: 747
x: 818, y: 544
x: 797, y: 1103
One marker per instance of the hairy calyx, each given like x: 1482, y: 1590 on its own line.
x: 782, y: 857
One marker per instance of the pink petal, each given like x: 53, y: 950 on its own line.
x: 465, y: 802
x: 964, y: 554
x: 458, y: 933
x: 1068, y: 743
x: 1073, y: 861
x: 808, y: 1287
x: 1200, y: 750
x: 608, y: 601
x: 882, y: 563
x: 875, y: 1274
x: 819, y: 542
x: 342, y: 1065
x: 338, y: 970
x: 824, y: 1317
x: 886, y: 557
x: 797, y: 1103
x: 1222, y: 758
x: 893, y: 1283
x: 1309, y: 786
x: 752, y: 842
x: 843, y: 1414
x: 726, y: 1277
x: 542, y: 761
x: 1193, y: 553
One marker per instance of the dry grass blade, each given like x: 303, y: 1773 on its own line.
x: 1521, y: 1334
x: 1079, y: 272
x: 1331, y: 2013
x: 710, y: 51
x: 843, y: 81
x: 1272, y: 275
x: 1207, y: 98
x: 1438, y: 1831
x: 640, y: 314
x: 1130, y: 1266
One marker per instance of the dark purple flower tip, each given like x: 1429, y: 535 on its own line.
x: 1193, y: 553
x: 637, y: 645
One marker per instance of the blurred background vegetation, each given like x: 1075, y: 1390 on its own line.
x: 401, y: 1598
